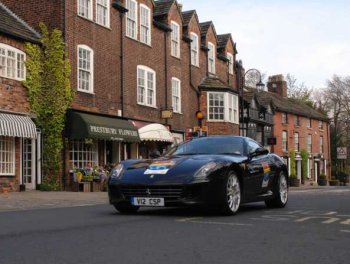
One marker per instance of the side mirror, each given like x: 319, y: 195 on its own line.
x: 258, y: 152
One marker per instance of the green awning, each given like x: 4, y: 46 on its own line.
x: 82, y: 125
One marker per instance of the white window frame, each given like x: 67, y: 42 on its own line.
x: 88, y: 7
x: 128, y: 18
x: 284, y: 141
x: 230, y: 63
x: 309, y: 143
x: 296, y: 141
x: 211, y: 58
x: 194, y: 49
x: 103, y: 5
x: 145, y: 86
x: 90, y: 70
x: 87, y: 154
x: 175, y: 39
x: 15, y: 60
x: 176, y: 95
x: 230, y: 107
x: 7, y: 156
x: 145, y: 24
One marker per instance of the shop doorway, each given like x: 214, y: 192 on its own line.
x: 28, y: 164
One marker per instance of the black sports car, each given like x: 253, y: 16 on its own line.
x: 218, y: 171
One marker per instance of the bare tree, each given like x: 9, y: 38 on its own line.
x: 297, y: 90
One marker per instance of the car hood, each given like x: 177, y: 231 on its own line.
x: 168, y: 170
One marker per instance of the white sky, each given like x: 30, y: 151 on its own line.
x: 309, y: 39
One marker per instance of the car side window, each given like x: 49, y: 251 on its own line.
x: 252, y: 146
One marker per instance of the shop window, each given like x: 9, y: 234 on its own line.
x: 7, y: 156
x: 83, y: 152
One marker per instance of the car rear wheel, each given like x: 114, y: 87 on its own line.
x: 232, y: 191
x: 280, y: 192
x: 126, y: 208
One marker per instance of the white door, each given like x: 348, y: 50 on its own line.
x: 28, y: 159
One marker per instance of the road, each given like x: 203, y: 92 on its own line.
x: 313, y: 228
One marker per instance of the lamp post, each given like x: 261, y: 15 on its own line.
x: 259, y: 86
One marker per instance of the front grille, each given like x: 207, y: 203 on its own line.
x: 169, y: 193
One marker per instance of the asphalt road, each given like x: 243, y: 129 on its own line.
x: 313, y: 228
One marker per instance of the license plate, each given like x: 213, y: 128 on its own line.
x: 147, y: 201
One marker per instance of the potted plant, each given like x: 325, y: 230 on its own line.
x: 294, y: 181
x: 322, y: 180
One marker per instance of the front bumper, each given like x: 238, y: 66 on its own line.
x: 173, y: 194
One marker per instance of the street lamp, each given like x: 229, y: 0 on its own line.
x: 259, y: 86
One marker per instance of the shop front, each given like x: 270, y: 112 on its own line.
x: 155, y: 139
x: 20, y: 153
x: 95, y: 144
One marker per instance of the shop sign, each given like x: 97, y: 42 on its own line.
x: 167, y: 114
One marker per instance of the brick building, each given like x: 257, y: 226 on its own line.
x: 297, y: 127
x: 130, y: 60
x: 19, y: 137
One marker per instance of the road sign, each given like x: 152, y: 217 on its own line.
x: 341, y: 153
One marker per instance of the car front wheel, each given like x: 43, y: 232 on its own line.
x: 232, y: 191
x: 126, y: 208
x: 280, y: 192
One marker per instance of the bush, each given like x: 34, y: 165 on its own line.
x: 46, y: 187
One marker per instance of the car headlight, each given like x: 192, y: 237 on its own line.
x: 205, y: 170
x: 117, y: 171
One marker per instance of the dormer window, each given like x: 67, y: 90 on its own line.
x: 194, y: 49
x: 131, y: 19
x: 175, y: 39
x: 211, y: 58
x: 145, y: 25
x: 230, y: 63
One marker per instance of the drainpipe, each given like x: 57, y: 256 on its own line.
x: 121, y: 64
x: 166, y: 70
x: 189, y: 40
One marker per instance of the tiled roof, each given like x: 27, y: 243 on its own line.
x: 205, y: 27
x: 12, y: 25
x: 162, y: 7
x: 187, y: 15
x: 213, y: 83
x: 222, y: 40
x: 289, y: 105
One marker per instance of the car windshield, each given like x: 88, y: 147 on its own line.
x: 209, y: 145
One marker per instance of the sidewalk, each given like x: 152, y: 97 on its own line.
x: 15, y: 201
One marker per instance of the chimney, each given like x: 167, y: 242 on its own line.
x: 277, y: 84
x: 180, y: 6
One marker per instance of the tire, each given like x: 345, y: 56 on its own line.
x: 126, y: 208
x: 280, y: 193
x: 232, y: 194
